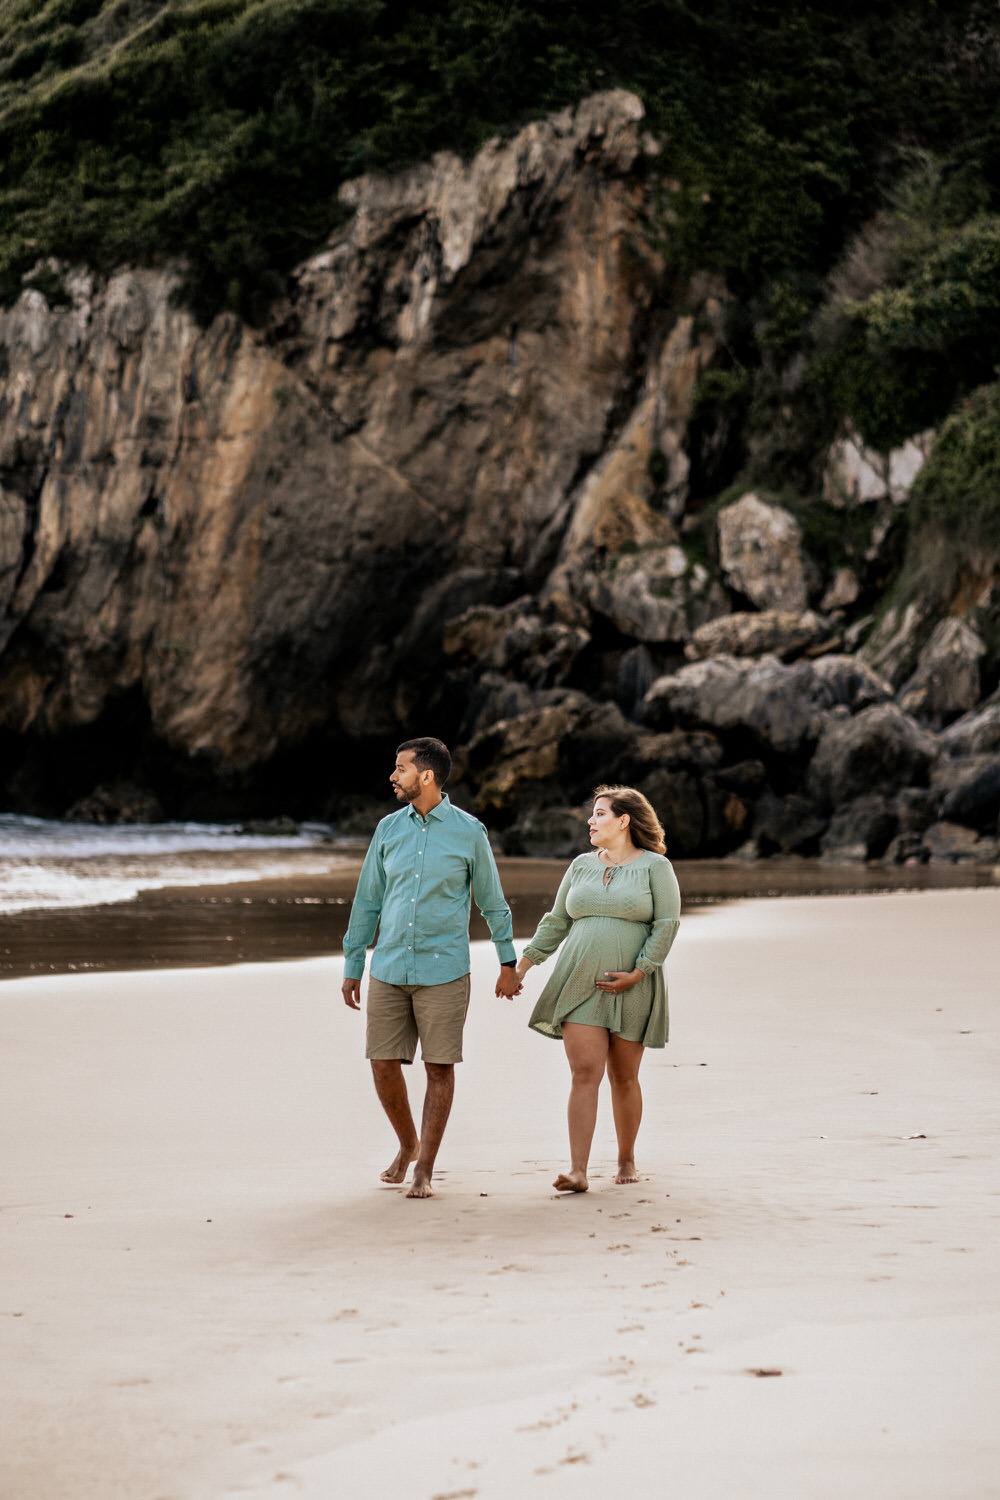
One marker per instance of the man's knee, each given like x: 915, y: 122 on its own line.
x: 384, y: 1068
x: 440, y: 1073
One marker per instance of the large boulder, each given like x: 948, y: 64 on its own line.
x: 515, y: 641
x: 547, y: 833
x: 786, y: 825
x: 599, y: 746
x: 915, y: 808
x: 782, y: 706
x: 676, y: 798
x: 116, y: 802
x: 878, y: 750
x: 655, y: 595
x: 773, y: 632
x: 975, y: 800
x: 946, y: 681
x: 760, y: 550
x: 517, y: 756
x: 975, y: 733
x: 549, y: 755
x: 862, y: 830
x: 492, y: 698
x: 678, y: 750
x: 953, y: 843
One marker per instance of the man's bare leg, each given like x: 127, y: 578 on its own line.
x: 586, y: 1053
x: 390, y: 1086
x: 437, y: 1108
x: 626, y: 1102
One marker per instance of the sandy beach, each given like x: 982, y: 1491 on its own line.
x: 205, y: 1292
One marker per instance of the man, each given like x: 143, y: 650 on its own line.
x: 425, y: 862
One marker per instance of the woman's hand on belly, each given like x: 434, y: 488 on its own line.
x: 615, y: 981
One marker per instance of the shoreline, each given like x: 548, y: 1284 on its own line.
x: 280, y: 918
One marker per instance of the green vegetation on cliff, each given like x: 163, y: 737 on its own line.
x: 219, y: 130
x: 954, y: 521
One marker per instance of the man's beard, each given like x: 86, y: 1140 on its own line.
x: 407, y: 796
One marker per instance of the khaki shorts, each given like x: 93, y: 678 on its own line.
x: 400, y: 1013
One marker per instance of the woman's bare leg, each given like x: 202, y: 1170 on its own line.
x: 587, y: 1054
x: 626, y: 1101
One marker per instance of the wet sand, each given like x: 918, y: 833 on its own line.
x: 207, y: 1294
x: 305, y: 915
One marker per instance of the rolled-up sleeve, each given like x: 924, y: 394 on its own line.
x: 365, y: 911
x: 554, y: 925
x: 666, y: 896
x: 489, y: 897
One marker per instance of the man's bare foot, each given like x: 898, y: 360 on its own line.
x: 571, y: 1182
x: 399, y: 1166
x: 421, y: 1185
x: 626, y: 1172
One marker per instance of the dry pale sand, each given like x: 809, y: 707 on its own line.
x: 204, y: 1293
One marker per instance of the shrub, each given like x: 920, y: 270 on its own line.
x: 954, y: 510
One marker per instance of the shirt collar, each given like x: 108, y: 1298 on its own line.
x: 440, y: 811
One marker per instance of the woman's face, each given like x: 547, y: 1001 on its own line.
x: 605, y: 826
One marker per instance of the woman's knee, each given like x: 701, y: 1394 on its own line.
x: 587, y: 1071
x: 622, y: 1076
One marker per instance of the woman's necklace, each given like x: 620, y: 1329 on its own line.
x: 613, y: 865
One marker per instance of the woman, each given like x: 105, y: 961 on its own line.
x: 616, y: 914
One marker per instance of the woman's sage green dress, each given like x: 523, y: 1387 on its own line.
x: 627, y: 924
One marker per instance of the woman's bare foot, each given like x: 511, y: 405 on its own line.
x: 626, y: 1172
x: 571, y: 1182
x: 421, y: 1185
x: 399, y: 1166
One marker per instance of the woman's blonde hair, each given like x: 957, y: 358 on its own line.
x: 644, y: 827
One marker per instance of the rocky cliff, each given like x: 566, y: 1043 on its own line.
x: 456, y: 485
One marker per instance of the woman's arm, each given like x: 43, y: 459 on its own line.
x: 551, y: 929
x: 666, y: 917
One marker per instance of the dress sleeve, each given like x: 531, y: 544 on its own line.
x: 666, y: 917
x: 554, y: 925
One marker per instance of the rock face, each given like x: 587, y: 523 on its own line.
x: 254, y: 535
x: 452, y: 487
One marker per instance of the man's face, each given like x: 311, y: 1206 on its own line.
x: 406, y: 780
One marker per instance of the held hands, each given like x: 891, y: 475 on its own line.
x: 351, y: 991
x: 615, y: 981
x: 508, y: 983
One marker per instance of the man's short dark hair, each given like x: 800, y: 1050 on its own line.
x: 429, y: 754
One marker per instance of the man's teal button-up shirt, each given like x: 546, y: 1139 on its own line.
x: 418, y: 879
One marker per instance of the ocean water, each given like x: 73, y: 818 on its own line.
x: 51, y: 865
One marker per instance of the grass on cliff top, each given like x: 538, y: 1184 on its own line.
x: 220, y: 130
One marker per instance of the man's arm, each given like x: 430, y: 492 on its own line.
x: 489, y: 897
x: 365, y: 911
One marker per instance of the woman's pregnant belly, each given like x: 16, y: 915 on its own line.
x: 604, y: 944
